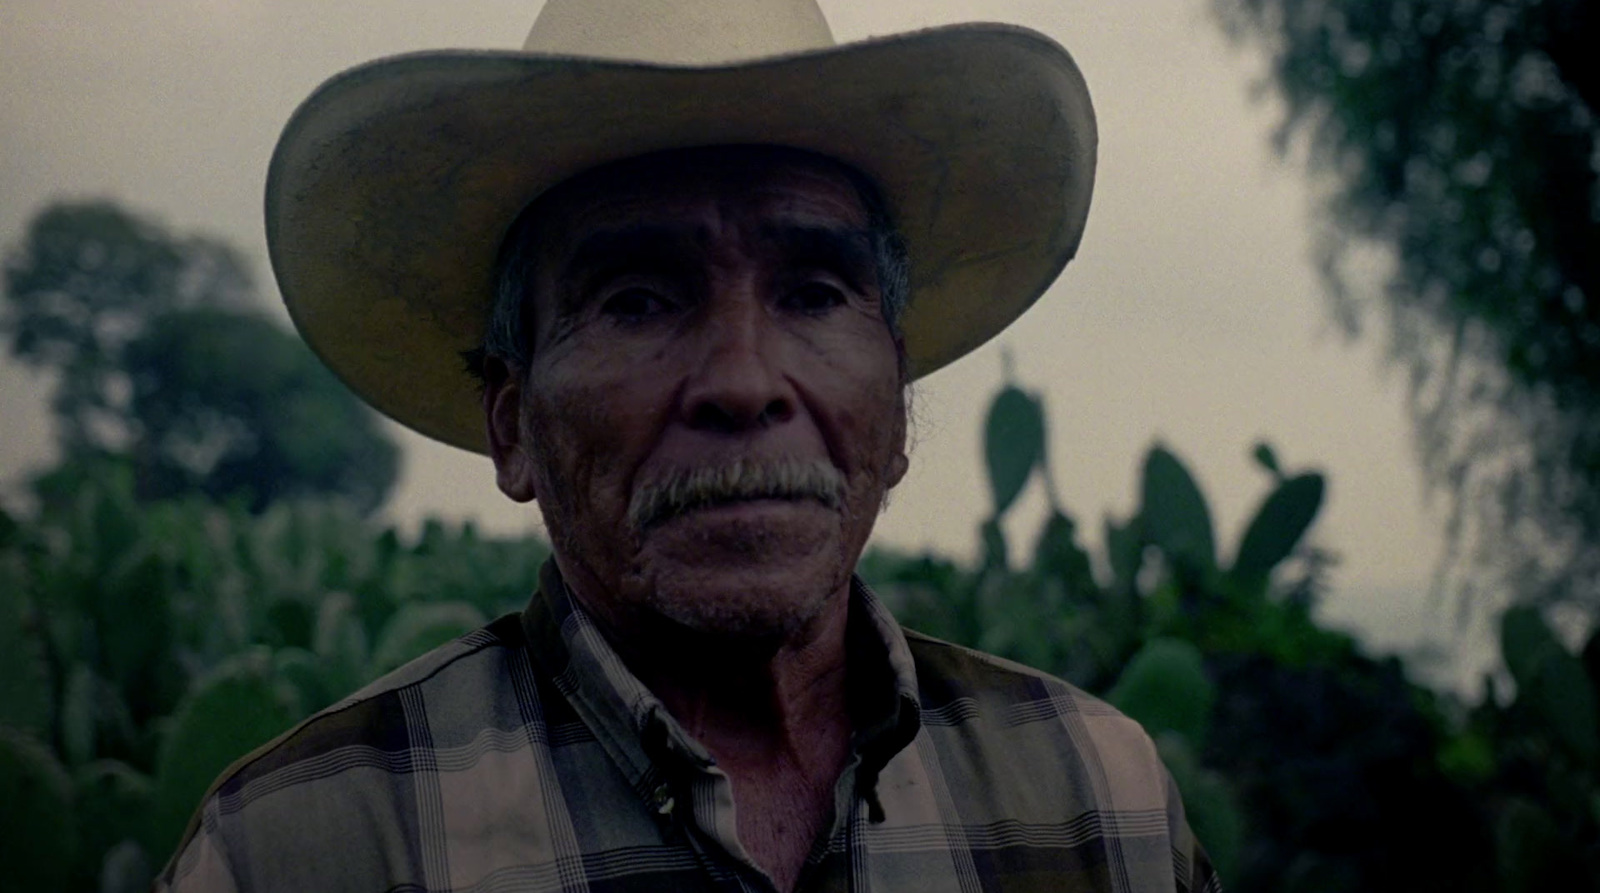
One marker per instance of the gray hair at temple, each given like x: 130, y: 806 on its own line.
x: 506, y: 333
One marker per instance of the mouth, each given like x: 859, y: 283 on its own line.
x: 738, y: 487
x: 741, y: 506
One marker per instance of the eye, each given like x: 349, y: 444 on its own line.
x: 635, y: 304
x: 815, y: 296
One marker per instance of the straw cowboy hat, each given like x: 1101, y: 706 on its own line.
x: 393, y: 185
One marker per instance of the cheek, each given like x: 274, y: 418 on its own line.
x: 590, y: 419
x: 565, y: 422
x: 874, y: 393
x: 861, y: 404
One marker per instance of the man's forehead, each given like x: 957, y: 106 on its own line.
x: 695, y: 191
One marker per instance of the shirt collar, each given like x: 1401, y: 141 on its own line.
x: 645, y: 741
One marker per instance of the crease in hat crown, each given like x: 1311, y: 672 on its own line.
x: 683, y: 32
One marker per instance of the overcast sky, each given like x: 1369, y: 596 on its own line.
x: 1192, y: 314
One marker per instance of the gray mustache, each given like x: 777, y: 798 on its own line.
x: 694, y: 488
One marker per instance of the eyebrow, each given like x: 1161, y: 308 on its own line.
x: 649, y: 242
x: 847, y: 250
x: 648, y: 245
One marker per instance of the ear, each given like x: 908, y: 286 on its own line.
x: 899, y: 463
x: 897, y: 469
x: 508, y: 445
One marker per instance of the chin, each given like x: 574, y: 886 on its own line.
x: 733, y: 574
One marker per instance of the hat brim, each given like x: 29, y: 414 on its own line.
x: 393, y: 185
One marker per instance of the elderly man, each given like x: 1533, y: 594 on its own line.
x: 698, y: 293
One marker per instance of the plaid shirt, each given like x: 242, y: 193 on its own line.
x: 525, y: 756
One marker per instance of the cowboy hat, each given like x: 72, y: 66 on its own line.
x: 393, y: 185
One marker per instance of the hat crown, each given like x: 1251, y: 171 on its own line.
x: 679, y: 32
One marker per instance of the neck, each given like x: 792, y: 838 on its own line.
x: 750, y: 701
x: 773, y: 712
x: 759, y: 705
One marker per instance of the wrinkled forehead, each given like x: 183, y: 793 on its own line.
x: 696, y: 188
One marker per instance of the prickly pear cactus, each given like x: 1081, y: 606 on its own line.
x: 38, y: 834
x: 1278, y: 526
x: 1166, y: 689
x: 1211, y: 804
x: 24, y: 681
x: 417, y: 628
x: 1551, y: 682
x: 1175, y: 515
x: 239, y: 706
x: 1013, y: 444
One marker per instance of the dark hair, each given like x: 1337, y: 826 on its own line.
x: 505, y: 334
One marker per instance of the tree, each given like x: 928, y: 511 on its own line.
x: 161, y: 364
x: 1462, y: 136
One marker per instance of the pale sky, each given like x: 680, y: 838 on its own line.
x: 1192, y: 314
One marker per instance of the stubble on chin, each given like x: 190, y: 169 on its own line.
x: 784, y: 584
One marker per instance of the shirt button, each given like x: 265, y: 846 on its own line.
x: 662, y: 797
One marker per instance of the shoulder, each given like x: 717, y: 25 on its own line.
x: 1027, y: 759
x: 1010, y: 692
x: 353, y: 763
x: 393, y: 712
x: 1026, y: 722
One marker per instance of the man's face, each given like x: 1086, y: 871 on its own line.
x: 714, y: 408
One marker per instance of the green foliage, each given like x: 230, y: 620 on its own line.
x: 1543, y: 773
x: 1013, y: 444
x: 417, y: 628
x: 24, y: 677
x: 1278, y: 526
x: 1551, y: 682
x: 78, y: 288
x: 1176, y: 518
x: 38, y: 840
x: 163, y: 369
x: 112, y: 812
x: 1150, y: 635
x: 94, y: 719
x: 155, y: 642
x: 1267, y: 458
x: 1533, y: 855
x: 1165, y: 688
x: 230, y: 710
x: 1461, y: 137
x: 231, y: 405
x: 1304, y: 764
x: 1209, y: 802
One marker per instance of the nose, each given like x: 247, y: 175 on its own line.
x: 737, y: 385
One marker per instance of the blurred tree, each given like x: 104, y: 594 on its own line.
x: 1463, y: 136
x: 161, y: 363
